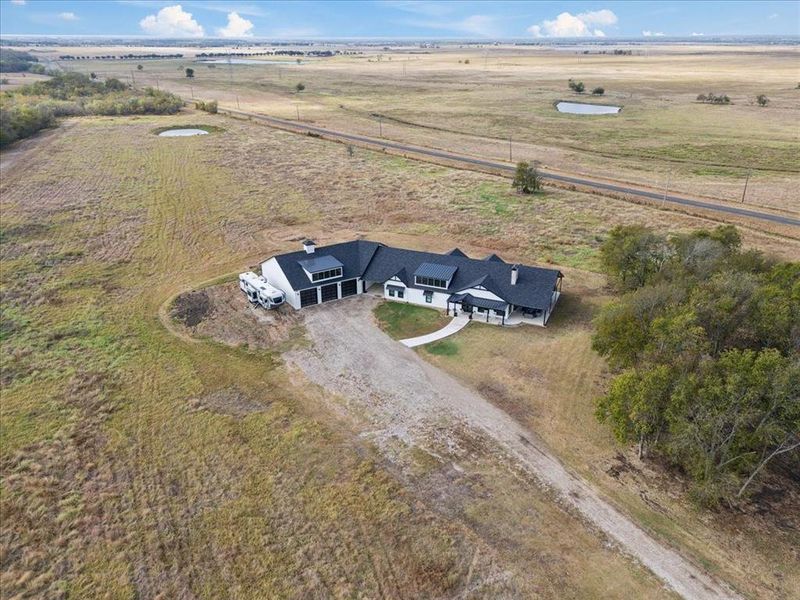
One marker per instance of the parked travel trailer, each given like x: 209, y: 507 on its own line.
x: 259, y: 291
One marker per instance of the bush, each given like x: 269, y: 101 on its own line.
x: 210, y: 106
x: 576, y: 86
x: 189, y: 72
x: 598, y: 91
x: 16, y: 60
x: 527, y: 179
x: 712, y: 98
x: 300, y: 87
x: 762, y: 100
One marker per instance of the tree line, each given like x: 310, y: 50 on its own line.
x: 705, y: 344
x: 37, y: 106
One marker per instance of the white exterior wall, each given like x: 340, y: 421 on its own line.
x: 274, y: 275
x: 416, y: 296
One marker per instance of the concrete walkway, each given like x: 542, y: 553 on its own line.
x: 457, y: 324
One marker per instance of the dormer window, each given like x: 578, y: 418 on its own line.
x: 434, y: 275
x: 330, y: 274
x: 321, y: 268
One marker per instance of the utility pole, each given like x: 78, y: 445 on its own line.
x: 297, y: 106
x: 510, y: 155
x: 157, y: 86
x: 191, y: 90
x: 380, y: 126
x: 744, y: 192
x: 666, y: 185
x: 133, y: 79
x: 237, y: 100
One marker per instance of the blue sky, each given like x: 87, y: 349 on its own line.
x: 397, y: 18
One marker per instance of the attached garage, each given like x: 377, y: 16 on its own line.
x: 349, y: 287
x: 308, y: 297
x: 330, y: 292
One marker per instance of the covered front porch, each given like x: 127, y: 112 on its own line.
x: 478, y: 309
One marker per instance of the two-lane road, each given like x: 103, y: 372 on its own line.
x: 469, y: 161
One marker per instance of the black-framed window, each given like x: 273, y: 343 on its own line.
x: 391, y: 292
x: 429, y: 297
x: 400, y: 293
x: 330, y: 274
x: 481, y: 309
x: 431, y: 282
x: 499, y: 313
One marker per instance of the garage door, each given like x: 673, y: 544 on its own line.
x: 349, y: 287
x: 330, y: 292
x: 308, y: 297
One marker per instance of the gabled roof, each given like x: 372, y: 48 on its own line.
x: 533, y: 289
x: 372, y: 261
x: 494, y: 257
x: 456, y: 252
x: 353, y: 256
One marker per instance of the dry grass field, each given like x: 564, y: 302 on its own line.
x: 472, y: 100
x: 137, y: 462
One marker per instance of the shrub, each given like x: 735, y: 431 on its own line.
x: 527, y: 179
x: 762, y: 100
x: 300, y: 87
x: 189, y: 72
x: 598, y: 91
x: 576, y: 86
x: 210, y: 107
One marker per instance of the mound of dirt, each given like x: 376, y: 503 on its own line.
x: 228, y: 401
x: 191, y: 308
x: 222, y: 313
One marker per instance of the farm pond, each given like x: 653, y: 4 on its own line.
x: 580, y: 108
x: 182, y: 132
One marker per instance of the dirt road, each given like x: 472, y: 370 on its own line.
x: 404, y: 397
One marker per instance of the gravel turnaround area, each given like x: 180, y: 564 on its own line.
x: 405, y: 398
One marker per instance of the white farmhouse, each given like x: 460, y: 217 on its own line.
x: 488, y: 289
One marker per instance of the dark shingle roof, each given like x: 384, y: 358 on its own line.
x: 533, y: 289
x: 354, y: 257
x: 477, y: 301
x: 457, y: 252
x: 375, y: 262
x: 494, y: 257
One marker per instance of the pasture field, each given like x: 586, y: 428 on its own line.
x: 497, y: 102
x: 140, y: 457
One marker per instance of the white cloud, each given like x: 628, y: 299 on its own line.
x: 18, y: 2
x: 237, y: 27
x: 648, y: 33
x: 172, y: 21
x: 695, y: 34
x: 773, y: 16
x: 569, y: 25
x: 68, y: 16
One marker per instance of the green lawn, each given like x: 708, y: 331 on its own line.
x: 403, y: 321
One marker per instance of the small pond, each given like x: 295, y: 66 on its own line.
x: 578, y: 108
x: 244, y: 61
x: 182, y: 132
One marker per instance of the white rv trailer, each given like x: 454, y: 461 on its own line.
x: 260, y: 292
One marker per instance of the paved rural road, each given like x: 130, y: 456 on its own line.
x: 468, y: 160
x: 404, y: 397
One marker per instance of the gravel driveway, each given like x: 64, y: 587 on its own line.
x: 405, y: 397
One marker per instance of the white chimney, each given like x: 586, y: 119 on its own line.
x: 309, y: 246
x: 514, y: 274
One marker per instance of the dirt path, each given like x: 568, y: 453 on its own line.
x: 404, y: 397
x: 23, y: 152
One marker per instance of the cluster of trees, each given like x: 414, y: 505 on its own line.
x: 210, y: 107
x: 705, y: 341
x: 37, y: 106
x: 120, y: 57
x: 15, y: 61
x: 578, y: 87
x: 712, y: 98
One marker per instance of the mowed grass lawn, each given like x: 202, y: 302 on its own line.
x: 403, y: 321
